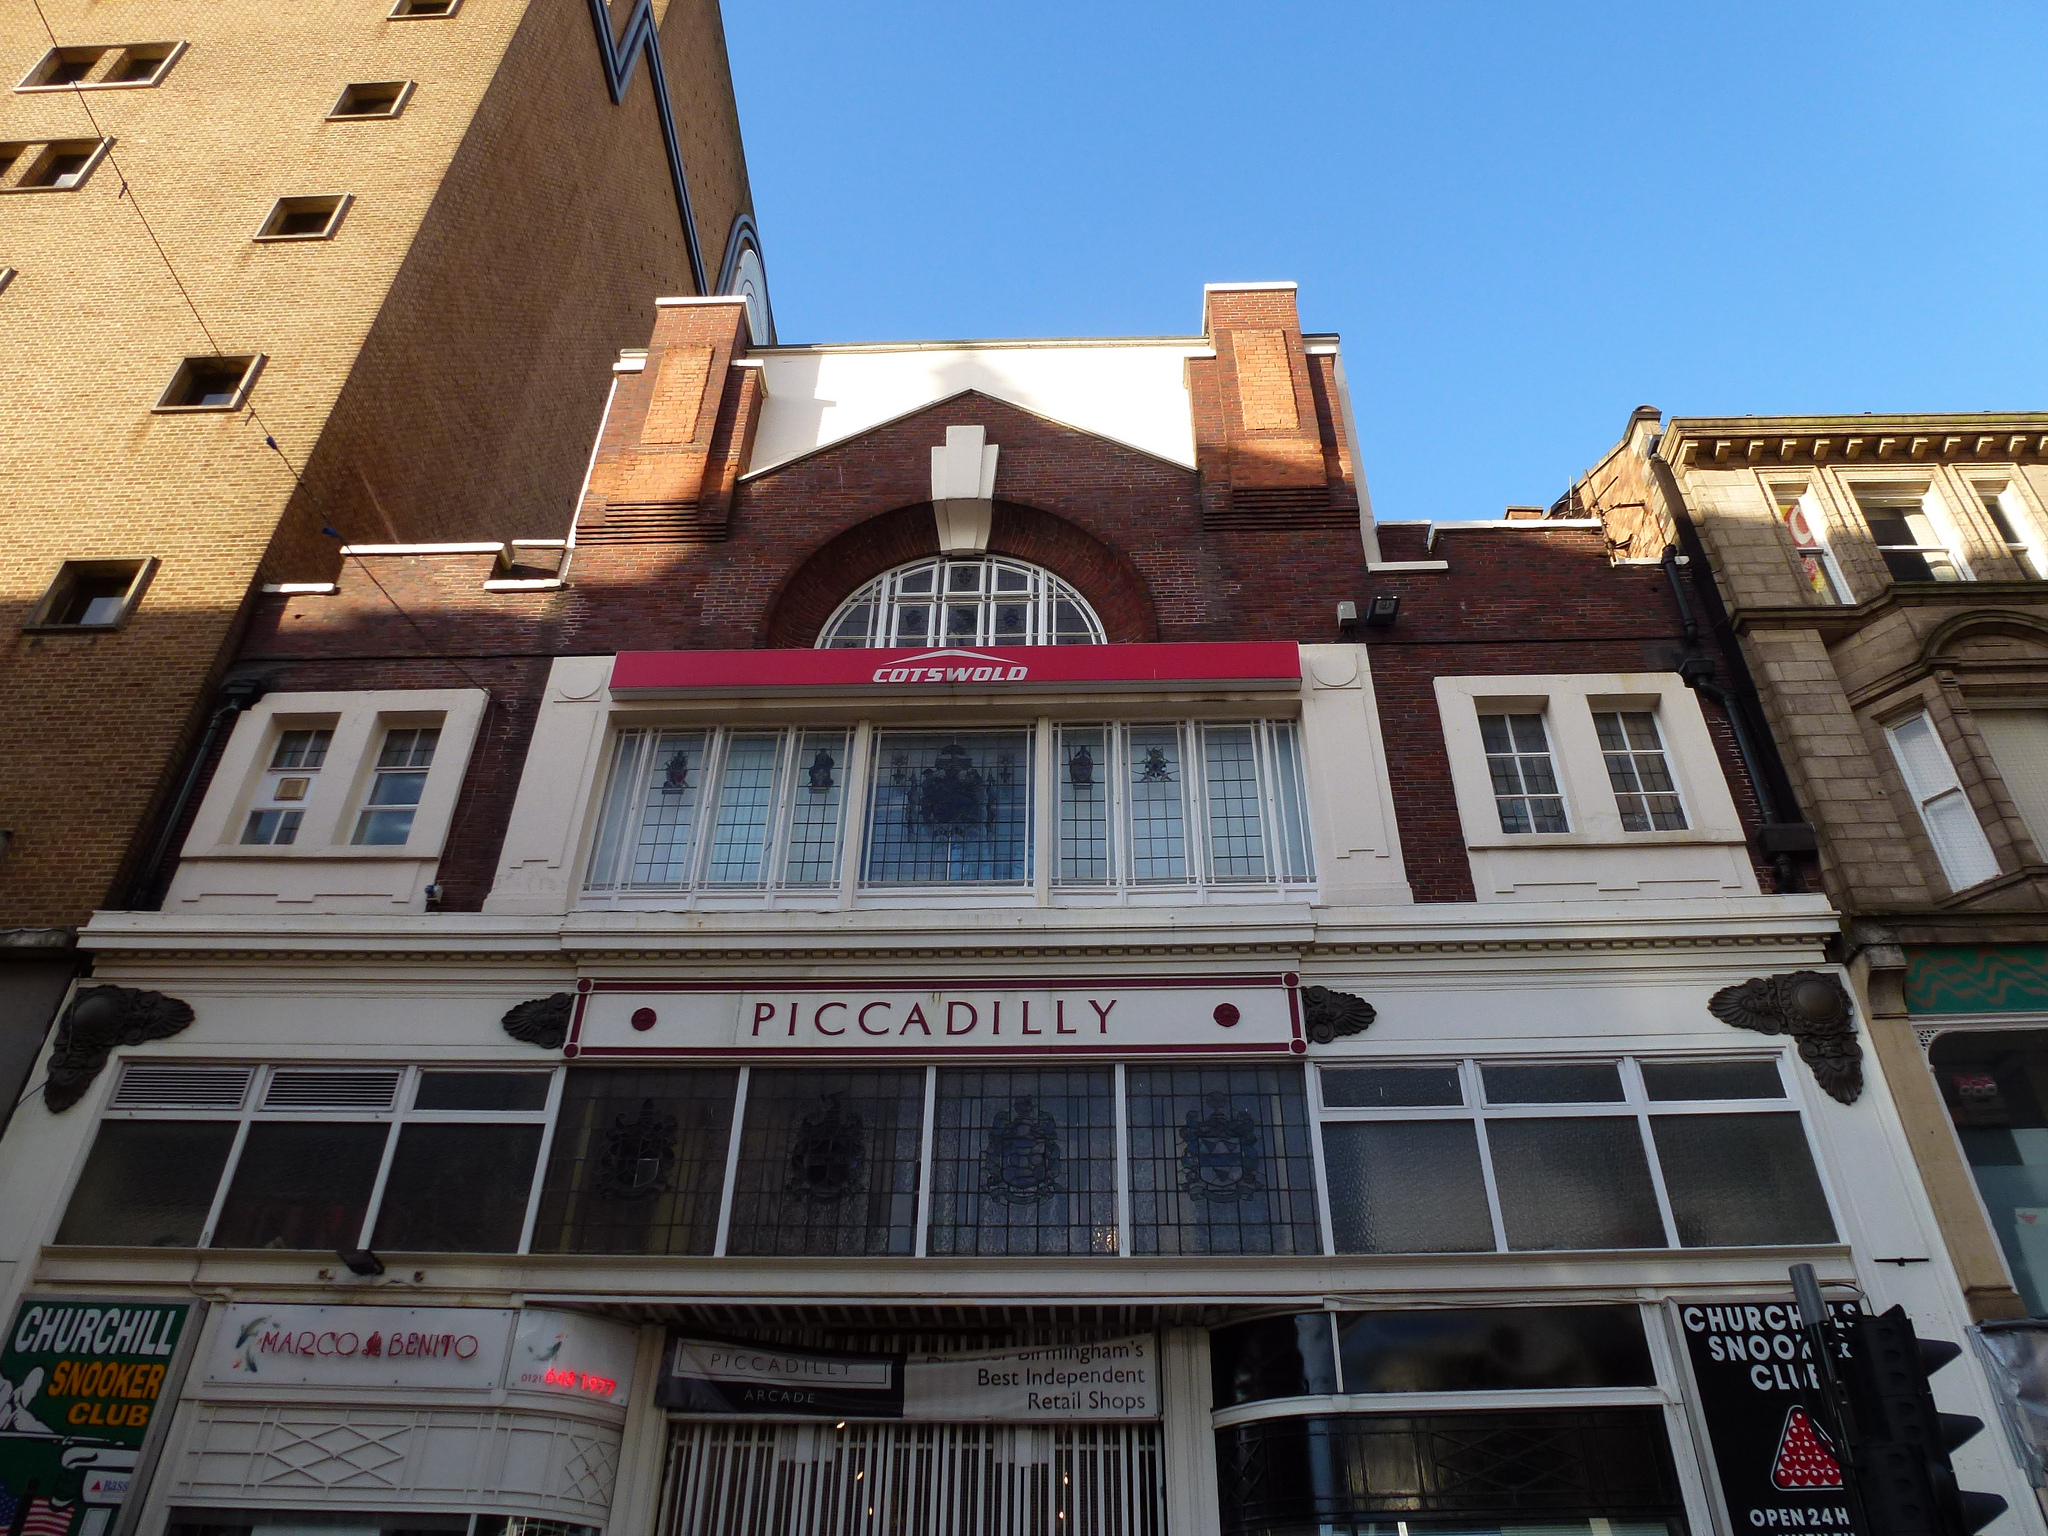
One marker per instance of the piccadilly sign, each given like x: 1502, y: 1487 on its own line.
x: 1230, y: 1015
x: 1262, y: 664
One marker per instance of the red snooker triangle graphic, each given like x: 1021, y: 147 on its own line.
x: 1805, y: 1457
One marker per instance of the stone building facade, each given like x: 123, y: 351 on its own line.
x: 992, y: 954
x: 1883, y: 577
x: 270, y: 273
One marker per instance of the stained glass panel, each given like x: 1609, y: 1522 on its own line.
x: 1024, y: 1161
x: 828, y: 1162
x: 950, y: 808
x: 638, y: 1162
x: 1220, y: 1161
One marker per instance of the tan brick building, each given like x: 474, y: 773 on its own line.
x: 416, y: 235
x: 1884, y: 578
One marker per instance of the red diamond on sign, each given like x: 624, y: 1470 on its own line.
x: 1805, y: 1458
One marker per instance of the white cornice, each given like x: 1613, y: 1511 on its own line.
x: 1279, y: 934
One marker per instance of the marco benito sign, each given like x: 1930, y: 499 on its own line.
x: 1112, y: 1379
x: 81, y: 1382
x: 1227, y: 1015
x: 1760, y: 1397
x: 258, y: 1344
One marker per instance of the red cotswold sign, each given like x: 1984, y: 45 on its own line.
x: 1006, y: 668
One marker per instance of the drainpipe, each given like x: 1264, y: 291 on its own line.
x: 236, y: 695
x: 1783, y: 833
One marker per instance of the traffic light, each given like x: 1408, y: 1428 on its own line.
x: 1902, y: 1443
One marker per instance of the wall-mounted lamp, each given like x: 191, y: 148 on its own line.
x: 1347, y: 616
x: 1381, y: 612
x: 360, y: 1261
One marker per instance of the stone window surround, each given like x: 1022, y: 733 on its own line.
x: 1978, y: 548
x: 358, y: 721
x: 1567, y: 702
x: 1949, y: 705
x: 176, y: 51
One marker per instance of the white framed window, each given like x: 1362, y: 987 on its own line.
x: 963, y: 600
x: 279, y: 805
x: 1911, y: 532
x: 1800, y: 513
x: 1645, y: 793
x: 2017, y: 527
x: 717, y: 808
x: 1945, y: 810
x: 396, y: 786
x: 1528, y: 1156
x: 1182, y: 803
x: 315, y: 1157
x: 1526, y: 795
x: 310, y: 776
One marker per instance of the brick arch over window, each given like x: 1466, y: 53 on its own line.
x: 1110, y: 583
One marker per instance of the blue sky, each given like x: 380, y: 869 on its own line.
x: 1525, y: 220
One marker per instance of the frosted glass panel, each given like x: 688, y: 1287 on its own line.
x: 1737, y: 1180
x: 1410, y: 1187
x: 1574, y: 1183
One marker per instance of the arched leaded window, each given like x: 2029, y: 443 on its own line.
x: 963, y: 600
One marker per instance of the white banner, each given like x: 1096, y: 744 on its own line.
x: 450, y: 1348
x: 1117, y: 1379
x: 1229, y: 1016
x: 1113, y: 1379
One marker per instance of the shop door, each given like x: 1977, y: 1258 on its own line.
x: 745, y: 1478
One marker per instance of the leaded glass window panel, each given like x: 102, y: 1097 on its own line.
x: 1237, y: 843
x: 828, y: 1162
x: 1220, y: 1161
x: 721, y: 810
x: 746, y: 801
x: 1024, y: 1161
x: 1157, y: 797
x: 963, y: 600
x: 817, y: 809
x: 1083, y: 769
x: 950, y: 808
x: 638, y: 1162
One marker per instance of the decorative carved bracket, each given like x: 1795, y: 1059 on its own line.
x: 543, y: 1021
x: 98, y: 1020
x: 1814, y: 1009
x: 1329, y: 1015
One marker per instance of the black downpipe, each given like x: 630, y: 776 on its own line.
x: 1774, y: 797
x: 235, y: 697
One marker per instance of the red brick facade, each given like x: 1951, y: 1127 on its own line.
x: 1161, y: 551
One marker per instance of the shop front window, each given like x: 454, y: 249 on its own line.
x: 1220, y: 1161
x: 1560, y: 1471
x: 1995, y: 1083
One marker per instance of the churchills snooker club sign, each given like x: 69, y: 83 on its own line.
x: 1229, y: 1016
